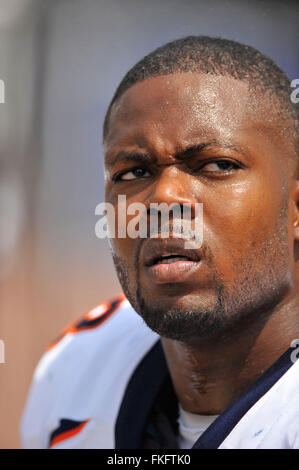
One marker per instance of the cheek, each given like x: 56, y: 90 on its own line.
x: 122, y: 244
x: 240, y: 219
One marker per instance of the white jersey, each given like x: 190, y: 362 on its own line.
x: 95, y: 387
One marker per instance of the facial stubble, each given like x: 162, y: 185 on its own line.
x: 257, y: 288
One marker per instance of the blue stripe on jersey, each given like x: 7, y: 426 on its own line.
x: 224, y: 424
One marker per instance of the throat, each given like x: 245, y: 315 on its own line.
x: 208, y: 382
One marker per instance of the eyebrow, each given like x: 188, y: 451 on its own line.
x: 130, y: 157
x: 198, y: 148
x: 139, y: 157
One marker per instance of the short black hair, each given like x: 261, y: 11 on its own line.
x: 216, y: 56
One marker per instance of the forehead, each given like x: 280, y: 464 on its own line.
x: 175, y: 107
x: 171, y: 111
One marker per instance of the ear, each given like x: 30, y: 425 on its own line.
x: 296, y: 220
x: 296, y: 211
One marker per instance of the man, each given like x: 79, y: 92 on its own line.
x: 199, y: 120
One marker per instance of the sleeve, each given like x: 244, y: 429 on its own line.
x: 34, y: 431
x: 39, y: 417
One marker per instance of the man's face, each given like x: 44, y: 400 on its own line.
x: 190, y: 138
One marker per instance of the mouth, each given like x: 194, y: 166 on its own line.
x: 167, y: 261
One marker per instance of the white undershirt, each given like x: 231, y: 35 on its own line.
x: 192, y: 426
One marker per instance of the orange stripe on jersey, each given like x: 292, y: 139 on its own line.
x: 92, y: 319
x: 67, y: 434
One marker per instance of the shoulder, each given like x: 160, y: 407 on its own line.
x: 273, y: 421
x: 100, y: 333
x: 83, y: 374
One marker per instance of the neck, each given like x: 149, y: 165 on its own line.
x: 208, y: 375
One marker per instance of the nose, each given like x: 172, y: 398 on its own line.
x: 173, y: 186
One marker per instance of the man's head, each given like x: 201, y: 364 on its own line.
x: 210, y: 121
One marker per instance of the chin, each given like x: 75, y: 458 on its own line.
x: 185, y: 318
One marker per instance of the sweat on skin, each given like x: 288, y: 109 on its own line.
x: 188, y: 138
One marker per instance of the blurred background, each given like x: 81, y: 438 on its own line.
x: 60, y: 61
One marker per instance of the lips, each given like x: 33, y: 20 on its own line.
x: 167, y: 261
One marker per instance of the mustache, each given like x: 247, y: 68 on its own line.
x: 177, y: 227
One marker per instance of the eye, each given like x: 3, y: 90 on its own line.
x: 219, y: 166
x: 133, y: 174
